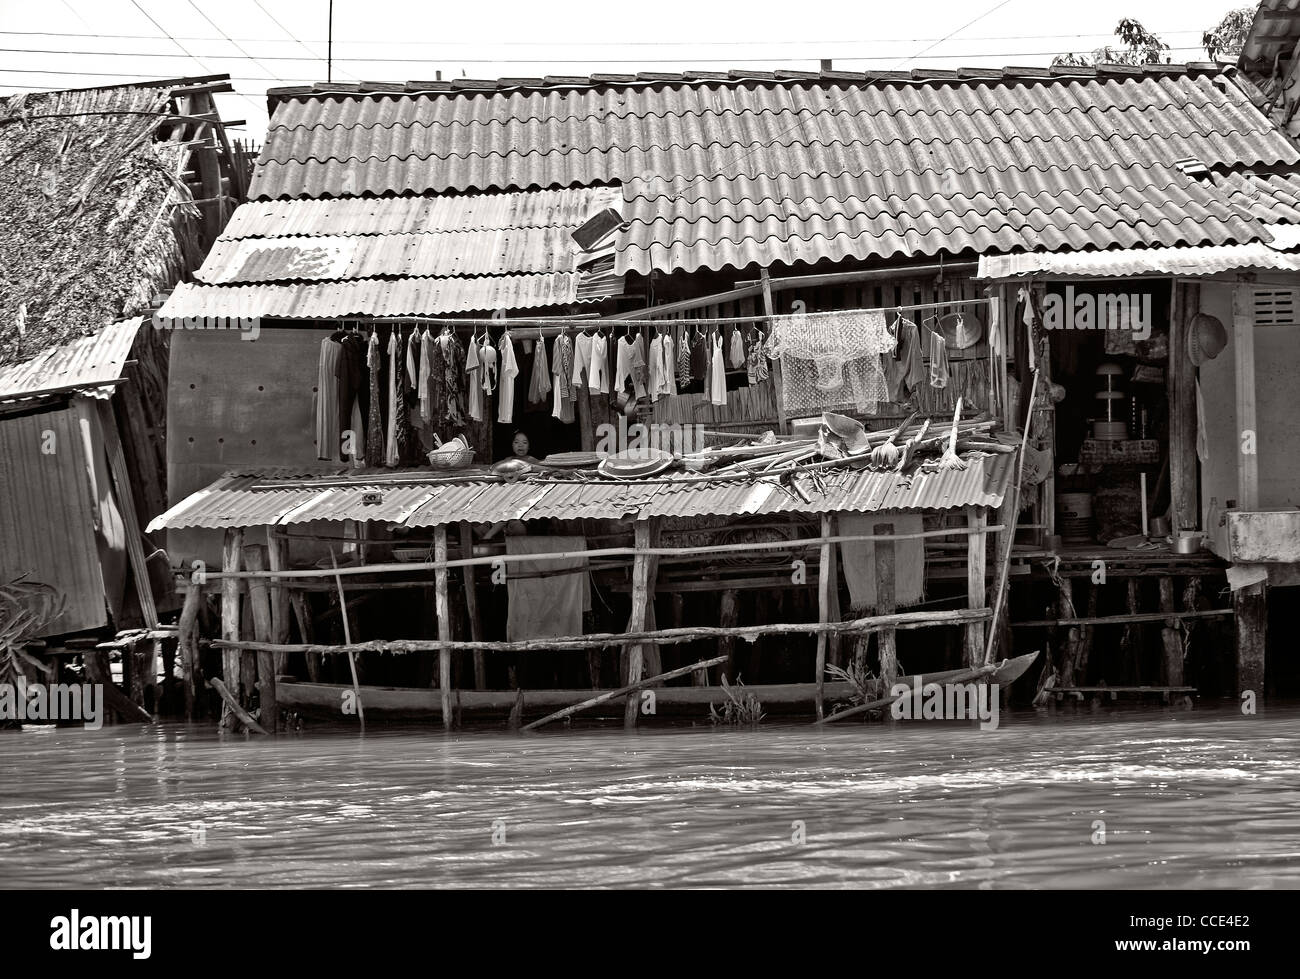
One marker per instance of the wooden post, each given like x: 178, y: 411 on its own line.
x: 1130, y: 642
x: 1243, y: 354
x: 778, y: 386
x: 187, y: 636
x: 823, y: 609
x: 728, y: 616
x: 1169, y: 635
x: 259, y: 601
x: 1073, y: 637
x: 130, y: 520
x: 835, y: 646
x: 303, y: 614
x: 976, y: 557
x: 640, y: 599
x: 444, y: 623
x: 277, y: 553
x: 885, y: 638
x: 1000, y: 629
x: 230, y: 588
x: 1184, y: 512
x: 1250, y: 609
x: 471, y: 603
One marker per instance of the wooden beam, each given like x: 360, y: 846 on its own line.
x: 778, y: 381
x: 823, y: 609
x: 637, y: 623
x: 444, y: 624
x: 1250, y: 606
x: 669, y: 309
x: 1243, y: 353
x: 277, y: 553
x: 1181, y: 382
x: 1122, y: 619
x: 865, y: 275
x: 126, y: 504
x: 230, y: 588
x: 976, y: 561
x: 259, y: 601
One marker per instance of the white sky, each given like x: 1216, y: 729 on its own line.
x: 70, y: 43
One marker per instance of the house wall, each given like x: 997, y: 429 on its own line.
x: 52, y: 509
x: 1277, y: 365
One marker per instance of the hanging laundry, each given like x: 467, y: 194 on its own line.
x: 1202, y: 438
x: 391, y: 456
x: 718, y: 373
x: 550, y: 603
x: 327, y: 399
x: 756, y: 370
x: 451, y: 404
x: 509, y: 371
x: 832, y: 360
x: 474, y: 379
x: 426, y: 374
x: 736, y: 354
x: 630, y: 367
x: 684, y: 377
x: 539, y: 382
x: 488, y: 357
x: 562, y: 371
x: 656, y: 368
x: 669, y: 372
x: 904, y: 368
x: 938, y: 360
x: 353, y: 393
x: 598, y: 377
x: 581, y: 360
x: 409, y: 450
x: 858, y: 559
x: 374, y: 420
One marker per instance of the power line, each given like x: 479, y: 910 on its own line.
x: 233, y: 43
x: 293, y: 37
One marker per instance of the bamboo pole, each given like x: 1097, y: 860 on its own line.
x: 233, y: 706
x: 823, y: 609
x: 444, y: 625
x: 624, y: 691
x: 976, y: 558
x: 471, y: 605
x: 778, y: 383
x: 882, y: 702
x: 188, y: 647
x: 898, y: 620
x: 230, y: 588
x: 489, y: 559
x: 1122, y: 619
x: 347, y: 638
x: 277, y: 553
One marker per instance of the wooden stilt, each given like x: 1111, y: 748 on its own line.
x: 885, y: 571
x: 1070, y: 647
x: 444, y: 623
x: 1250, y: 605
x: 728, y: 616
x: 126, y: 505
x: 976, y: 558
x: 230, y: 589
x: 778, y: 386
x: 1170, y: 637
x: 187, y: 647
x: 824, y: 585
x: 302, y: 613
x: 277, y: 559
x: 471, y: 603
x: 1130, y: 643
x: 259, y: 601
x: 640, y: 598
x: 999, y: 633
x: 1085, y: 637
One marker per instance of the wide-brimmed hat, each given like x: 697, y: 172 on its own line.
x: 960, y: 330
x: 1206, y: 338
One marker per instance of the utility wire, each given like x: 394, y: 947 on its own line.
x: 293, y: 37
x: 234, y: 44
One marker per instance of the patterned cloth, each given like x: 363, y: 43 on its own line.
x: 832, y: 360
x: 562, y: 371
x: 374, y: 419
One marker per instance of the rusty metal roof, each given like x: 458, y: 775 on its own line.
x: 85, y: 366
x: 238, y: 500
x: 308, y: 259
x: 720, y: 170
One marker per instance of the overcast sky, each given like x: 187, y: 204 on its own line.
x: 265, y: 43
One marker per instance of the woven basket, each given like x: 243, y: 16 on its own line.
x: 451, y: 458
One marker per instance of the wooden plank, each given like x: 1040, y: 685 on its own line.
x: 444, y: 624
x: 1243, y: 342
x: 259, y: 601
x: 1170, y: 641
x: 1181, y: 384
x: 823, y: 609
x: 471, y: 605
x: 885, y: 570
x: 126, y: 504
x: 637, y: 623
x: 230, y: 590
x: 1250, y: 606
x: 976, y: 561
x: 187, y: 631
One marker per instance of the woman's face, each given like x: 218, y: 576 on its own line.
x: 520, y: 445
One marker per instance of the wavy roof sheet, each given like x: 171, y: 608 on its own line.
x: 1119, y: 262
x: 726, y: 170
x: 250, y: 500
x: 86, y: 366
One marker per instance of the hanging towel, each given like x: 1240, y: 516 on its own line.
x: 938, y: 360
x: 904, y: 369
x: 551, y: 603
x: 670, y: 365
x: 327, y: 400
x: 858, y: 559
x: 509, y: 371
x: 736, y: 355
x: 562, y: 369
x: 392, y: 455
x: 718, y: 374
x: 474, y: 379
x: 630, y: 367
x: 374, y: 417
x: 598, y: 372
x: 1202, y: 442
x: 656, y: 368
x: 539, y: 383
x: 581, y: 360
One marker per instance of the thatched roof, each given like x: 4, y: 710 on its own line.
x: 89, y: 202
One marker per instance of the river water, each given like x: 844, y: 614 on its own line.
x: 1200, y: 798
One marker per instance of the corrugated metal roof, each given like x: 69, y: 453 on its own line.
x: 720, y: 173
x: 1203, y: 260
x: 396, y: 257
x: 87, y: 364
x: 249, y: 501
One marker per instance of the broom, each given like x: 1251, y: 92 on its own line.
x: 950, y: 459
